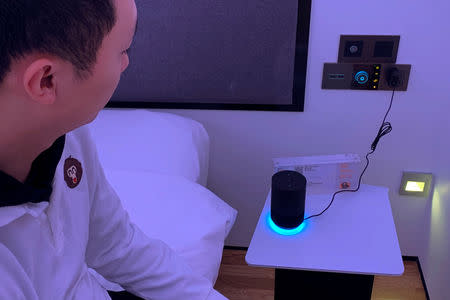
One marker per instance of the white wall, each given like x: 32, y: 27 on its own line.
x: 243, y: 143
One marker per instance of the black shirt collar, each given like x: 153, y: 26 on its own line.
x: 38, y: 185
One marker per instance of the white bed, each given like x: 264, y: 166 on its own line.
x: 158, y: 165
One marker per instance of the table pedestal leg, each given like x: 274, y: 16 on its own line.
x: 296, y: 284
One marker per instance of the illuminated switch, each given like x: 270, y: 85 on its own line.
x: 416, y: 184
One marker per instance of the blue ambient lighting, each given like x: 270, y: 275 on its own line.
x: 284, y: 231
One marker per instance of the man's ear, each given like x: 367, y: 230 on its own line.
x: 39, y: 81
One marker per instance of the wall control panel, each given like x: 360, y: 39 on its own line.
x: 368, y: 48
x: 359, y: 76
x: 367, y: 63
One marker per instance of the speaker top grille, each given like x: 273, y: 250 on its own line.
x: 288, y: 181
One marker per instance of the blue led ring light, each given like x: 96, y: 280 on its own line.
x: 362, y: 77
x: 284, y: 231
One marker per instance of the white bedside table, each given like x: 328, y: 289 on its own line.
x: 337, y: 254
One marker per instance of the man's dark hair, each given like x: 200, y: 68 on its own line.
x: 72, y: 30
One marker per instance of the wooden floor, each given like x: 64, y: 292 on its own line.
x: 238, y: 281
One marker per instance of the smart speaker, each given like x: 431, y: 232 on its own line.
x: 287, y: 206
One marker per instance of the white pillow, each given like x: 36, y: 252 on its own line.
x: 139, y: 139
x: 185, y: 215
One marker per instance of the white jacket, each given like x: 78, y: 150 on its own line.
x: 46, y: 248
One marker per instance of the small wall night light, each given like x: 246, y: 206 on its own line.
x: 287, y: 205
x: 416, y: 184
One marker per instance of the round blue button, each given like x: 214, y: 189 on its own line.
x: 362, y: 77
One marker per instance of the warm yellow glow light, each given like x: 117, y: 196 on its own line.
x: 415, y: 186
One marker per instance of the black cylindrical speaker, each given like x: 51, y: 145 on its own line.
x: 287, y: 206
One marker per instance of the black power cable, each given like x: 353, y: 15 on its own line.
x: 385, y: 128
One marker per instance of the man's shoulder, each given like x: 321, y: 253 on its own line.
x: 81, y: 140
x: 82, y: 133
x: 81, y: 146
